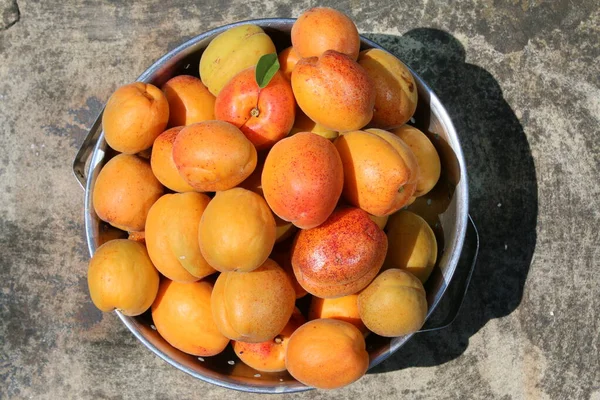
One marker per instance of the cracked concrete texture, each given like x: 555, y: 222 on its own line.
x: 521, y: 81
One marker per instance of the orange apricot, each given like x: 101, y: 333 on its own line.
x: 162, y: 163
x: 189, y: 100
x: 134, y: 116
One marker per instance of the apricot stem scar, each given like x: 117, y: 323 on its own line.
x: 255, y: 112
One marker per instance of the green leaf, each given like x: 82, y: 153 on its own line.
x: 266, y: 68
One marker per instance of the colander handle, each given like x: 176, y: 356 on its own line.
x: 86, y: 149
x: 472, y: 239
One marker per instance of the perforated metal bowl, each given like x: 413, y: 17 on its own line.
x: 451, y: 226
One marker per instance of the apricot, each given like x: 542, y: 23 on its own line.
x: 172, y: 236
x: 264, y: 115
x: 322, y: 28
x: 288, y: 59
x: 162, y: 163
x: 396, y: 91
x: 412, y: 245
x: 394, y: 304
x: 232, y: 51
x: 340, y: 256
x: 189, y: 101
x: 427, y: 156
x: 237, y: 231
x: 409, y: 158
x: 376, y: 177
x: 302, y: 179
x: 213, y: 155
x: 283, y: 229
x: 381, y: 221
x: 134, y: 116
x: 344, y: 308
x: 269, y: 356
x: 304, y: 124
x: 327, y: 354
x: 121, y: 276
x: 183, y: 317
x: 124, y: 191
x: 334, y: 91
x: 253, y: 306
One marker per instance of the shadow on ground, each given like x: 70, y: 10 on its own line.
x: 503, y: 190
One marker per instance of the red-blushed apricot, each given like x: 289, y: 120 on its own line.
x: 394, y: 304
x: 162, y: 163
x: 302, y: 179
x: 340, y: 256
x: 182, y: 315
x: 213, y: 155
x: 172, y: 236
x: 134, y: 116
x: 124, y: 191
x: 269, y: 356
x: 253, y: 306
x: 189, y: 101
x: 334, y: 91
x: 237, y: 231
x: 396, y: 99
x: 322, y: 28
x: 264, y: 115
x: 121, y: 276
x: 327, y: 354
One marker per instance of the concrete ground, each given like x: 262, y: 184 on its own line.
x: 521, y: 81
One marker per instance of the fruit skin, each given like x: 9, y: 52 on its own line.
x: 232, y: 51
x: 253, y: 306
x: 288, y: 58
x: 376, y: 177
x: 269, y: 356
x: 302, y: 179
x: 134, y: 116
x: 189, y: 101
x: 304, y: 124
x: 172, y: 236
x: 412, y: 245
x: 121, y: 276
x: 396, y: 99
x: 322, y: 28
x: 124, y: 191
x: 430, y: 166
x: 182, y: 315
x: 406, y: 196
x: 334, y: 91
x: 340, y: 256
x: 162, y: 163
x: 343, y: 308
x: 213, y: 155
x: 394, y: 304
x: 237, y: 231
x: 327, y: 354
x: 274, y: 105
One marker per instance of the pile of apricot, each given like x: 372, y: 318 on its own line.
x: 240, y: 199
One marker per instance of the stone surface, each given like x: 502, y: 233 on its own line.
x: 521, y: 81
